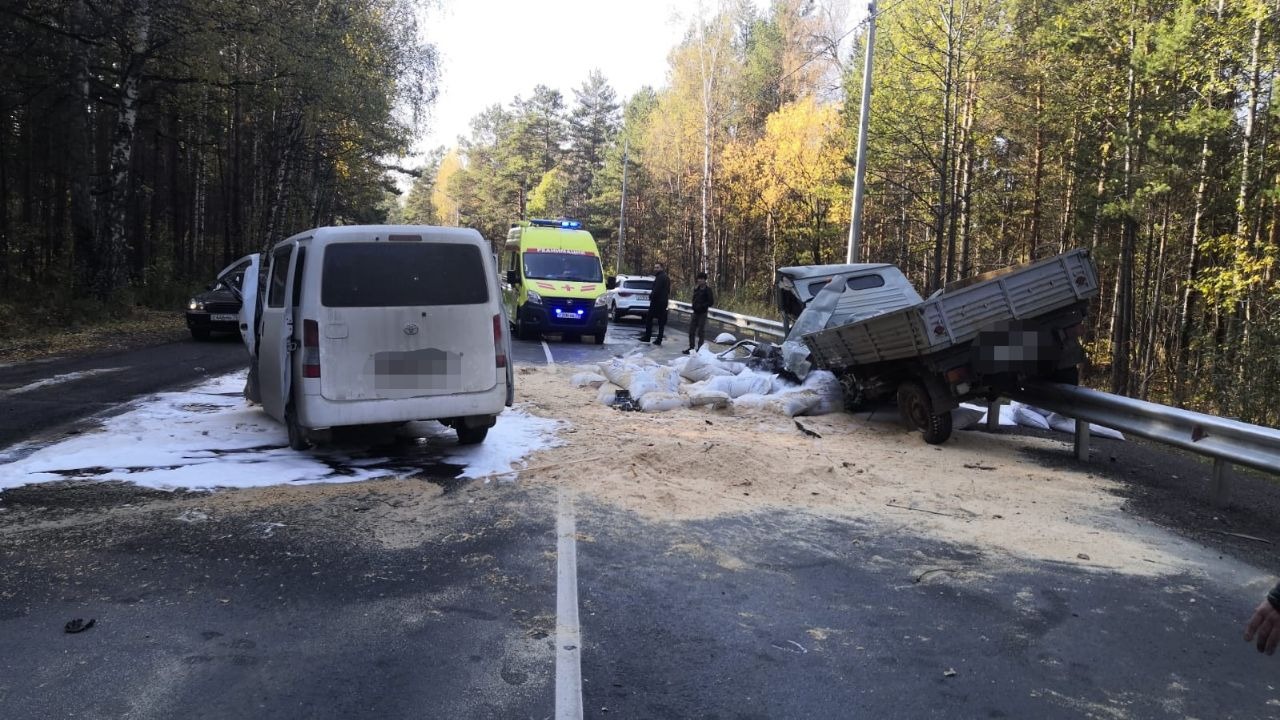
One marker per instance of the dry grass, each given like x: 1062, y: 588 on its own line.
x: 141, y: 328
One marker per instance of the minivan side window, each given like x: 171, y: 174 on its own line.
x: 513, y: 260
x: 279, y: 276
x: 297, y: 276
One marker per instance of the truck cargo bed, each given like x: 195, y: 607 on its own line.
x: 956, y: 316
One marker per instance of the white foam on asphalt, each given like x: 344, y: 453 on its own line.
x: 210, y: 437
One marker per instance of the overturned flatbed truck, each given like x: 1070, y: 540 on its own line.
x: 978, y: 338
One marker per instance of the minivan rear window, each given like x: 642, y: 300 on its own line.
x: 375, y: 274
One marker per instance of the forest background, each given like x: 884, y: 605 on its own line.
x: 146, y: 143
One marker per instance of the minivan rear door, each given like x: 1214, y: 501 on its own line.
x: 406, y: 317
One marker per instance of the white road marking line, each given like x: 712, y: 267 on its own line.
x: 58, y: 380
x: 547, y: 349
x: 568, y: 634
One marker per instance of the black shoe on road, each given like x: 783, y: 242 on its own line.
x: 686, y: 352
x: 645, y: 338
x: 658, y: 342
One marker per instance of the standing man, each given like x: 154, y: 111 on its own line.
x: 702, y: 301
x: 658, y: 298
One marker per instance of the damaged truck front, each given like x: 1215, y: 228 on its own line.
x: 978, y: 338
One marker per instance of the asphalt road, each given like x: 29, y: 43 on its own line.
x: 48, y: 395
x: 428, y: 597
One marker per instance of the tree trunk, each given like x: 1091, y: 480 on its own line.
x: 944, y: 163
x: 115, y: 254
x: 1122, y: 307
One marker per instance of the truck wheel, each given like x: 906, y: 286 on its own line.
x: 471, y: 436
x: 297, y: 436
x: 917, y: 412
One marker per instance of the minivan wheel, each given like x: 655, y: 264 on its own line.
x: 297, y: 436
x: 471, y: 436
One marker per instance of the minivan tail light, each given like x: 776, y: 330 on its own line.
x: 499, y: 357
x: 310, y: 349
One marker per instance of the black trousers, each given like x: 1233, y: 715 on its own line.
x: 655, y: 314
x: 698, y: 328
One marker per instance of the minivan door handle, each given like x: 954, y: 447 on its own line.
x: 292, y: 346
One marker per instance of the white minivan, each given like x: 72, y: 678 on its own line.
x: 378, y: 325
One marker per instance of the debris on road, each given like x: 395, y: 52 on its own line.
x: 78, y: 625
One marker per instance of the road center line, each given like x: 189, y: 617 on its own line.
x: 547, y: 349
x: 568, y: 634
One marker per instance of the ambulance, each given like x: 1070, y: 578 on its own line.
x: 554, y: 282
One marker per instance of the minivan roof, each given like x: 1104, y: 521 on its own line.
x: 382, y: 232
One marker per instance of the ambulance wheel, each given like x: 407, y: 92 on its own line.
x: 599, y: 337
x: 297, y: 436
x: 917, y: 412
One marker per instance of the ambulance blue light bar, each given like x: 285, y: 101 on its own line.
x: 562, y: 224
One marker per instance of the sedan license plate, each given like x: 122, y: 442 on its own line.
x: 224, y: 317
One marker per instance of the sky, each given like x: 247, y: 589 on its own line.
x: 492, y: 50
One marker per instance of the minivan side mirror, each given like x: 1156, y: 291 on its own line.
x: 611, y: 282
x: 513, y: 277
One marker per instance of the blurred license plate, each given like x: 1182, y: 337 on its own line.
x: 223, y: 317
x: 567, y: 315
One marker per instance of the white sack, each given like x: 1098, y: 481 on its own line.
x: 717, y: 400
x: 1028, y: 417
x: 660, y: 402
x: 607, y: 394
x: 588, y: 379
x: 698, y: 368
x: 751, y: 383
x: 1061, y: 423
x: 725, y: 338
x: 829, y: 391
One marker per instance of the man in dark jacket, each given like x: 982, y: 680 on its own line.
x: 702, y: 301
x: 658, y: 298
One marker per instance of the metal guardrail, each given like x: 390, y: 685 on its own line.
x: 1228, y: 442
x: 759, y: 328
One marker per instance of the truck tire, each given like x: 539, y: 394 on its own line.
x: 917, y: 412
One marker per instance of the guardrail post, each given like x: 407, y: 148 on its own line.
x: 1082, y: 440
x: 1221, y: 482
x: 993, y: 414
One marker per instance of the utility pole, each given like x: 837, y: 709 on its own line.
x: 622, y: 212
x: 859, y: 172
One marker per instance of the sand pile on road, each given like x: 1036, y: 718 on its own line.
x: 699, y: 462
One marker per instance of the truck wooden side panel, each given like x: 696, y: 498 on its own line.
x: 957, y: 316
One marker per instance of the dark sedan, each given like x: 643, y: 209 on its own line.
x: 217, y: 309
